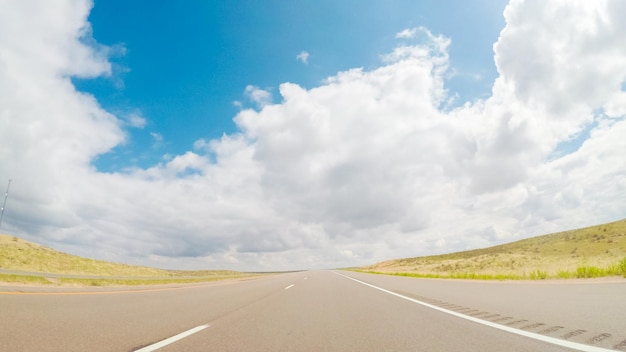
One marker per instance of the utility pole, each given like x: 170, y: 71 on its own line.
x: 4, y: 204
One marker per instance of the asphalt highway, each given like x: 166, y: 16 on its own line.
x: 319, y: 311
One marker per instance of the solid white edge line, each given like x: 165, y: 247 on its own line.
x: 290, y: 286
x: 172, y: 339
x: 552, y: 340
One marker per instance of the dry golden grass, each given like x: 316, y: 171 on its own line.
x: 21, y: 255
x: 588, y: 252
x: 27, y: 257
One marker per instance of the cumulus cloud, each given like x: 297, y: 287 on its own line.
x: 366, y: 166
x: 303, y: 57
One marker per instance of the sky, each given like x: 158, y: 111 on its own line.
x: 285, y: 135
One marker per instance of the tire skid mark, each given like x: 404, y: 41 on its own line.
x: 598, y: 338
x: 464, y: 309
x: 532, y: 326
x: 502, y: 319
x: 551, y: 329
x: 447, y: 305
x: 479, y: 314
x: 571, y: 334
x: 491, y: 316
x: 517, y: 322
x: 620, y: 346
x: 581, y: 335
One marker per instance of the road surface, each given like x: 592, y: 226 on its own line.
x: 319, y: 311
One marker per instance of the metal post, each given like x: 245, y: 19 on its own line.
x: 4, y: 204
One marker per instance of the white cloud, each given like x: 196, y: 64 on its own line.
x: 616, y: 105
x: 157, y: 137
x: 258, y: 96
x: 407, y: 33
x: 201, y: 144
x: 303, y: 57
x: 136, y: 120
x: 364, y: 167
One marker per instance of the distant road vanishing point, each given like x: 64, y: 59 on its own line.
x: 319, y: 311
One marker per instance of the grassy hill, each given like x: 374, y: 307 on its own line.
x: 28, y: 259
x: 588, y: 252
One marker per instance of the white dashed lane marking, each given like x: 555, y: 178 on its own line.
x: 172, y: 339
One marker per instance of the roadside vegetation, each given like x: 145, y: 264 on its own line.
x: 44, y: 279
x: 29, y: 263
x: 596, y: 251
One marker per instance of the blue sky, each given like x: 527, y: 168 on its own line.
x: 181, y: 65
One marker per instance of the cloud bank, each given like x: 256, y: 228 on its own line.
x: 369, y: 165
